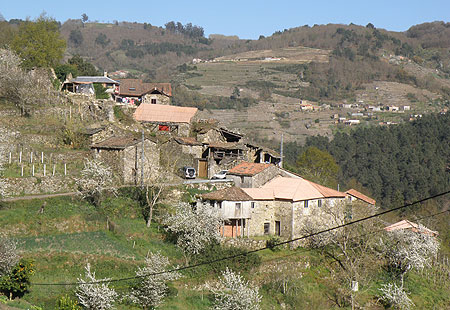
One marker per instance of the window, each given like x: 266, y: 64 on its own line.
x: 219, y: 204
x: 163, y: 128
x: 132, y: 88
x: 278, y: 228
x: 253, y: 204
x: 266, y: 228
x: 319, y: 203
x: 238, y: 206
x: 153, y: 101
x: 305, y: 203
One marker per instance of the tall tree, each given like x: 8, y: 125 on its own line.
x: 39, y: 43
x: 318, y: 165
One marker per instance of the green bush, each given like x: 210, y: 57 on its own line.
x: 66, y: 303
x: 17, y: 282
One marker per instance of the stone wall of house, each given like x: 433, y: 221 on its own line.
x: 160, y: 99
x: 263, y: 212
x: 265, y: 176
x: 132, y: 162
x: 184, y: 129
x: 213, y: 135
x: 194, y: 150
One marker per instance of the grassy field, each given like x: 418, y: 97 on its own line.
x: 70, y: 233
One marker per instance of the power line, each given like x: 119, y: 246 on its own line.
x: 251, y: 251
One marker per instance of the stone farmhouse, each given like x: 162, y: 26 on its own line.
x: 281, y: 207
x: 166, y: 118
x: 124, y: 154
x: 85, y: 84
x: 247, y: 174
x: 133, y: 92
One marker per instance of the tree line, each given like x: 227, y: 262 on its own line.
x: 396, y: 164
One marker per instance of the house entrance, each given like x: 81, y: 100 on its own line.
x: 203, y: 169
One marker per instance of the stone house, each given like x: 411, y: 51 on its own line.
x: 166, y: 118
x: 85, y: 84
x: 124, y: 155
x: 283, y: 207
x: 247, y: 174
x: 354, y: 195
x: 259, y: 154
x: 405, y: 224
x: 135, y: 92
x: 210, y: 134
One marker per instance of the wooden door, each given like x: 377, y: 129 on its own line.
x: 203, y: 169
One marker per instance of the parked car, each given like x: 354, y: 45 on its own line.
x: 189, y: 172
x: 220, y: 175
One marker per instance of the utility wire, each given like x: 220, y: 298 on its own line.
x: 248, y: 252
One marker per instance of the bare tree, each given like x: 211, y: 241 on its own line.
x: 233, y: 292
x: 150, y: 290
x: 352, y: 250
x: 23, y: 88
x: 9, y: 256
x: 195, y: 227
x: 95, y: 296
x: 96, y: 177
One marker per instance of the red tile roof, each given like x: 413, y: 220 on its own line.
x: 296, y: 189
x: 248, y: 169
x: 405, y: 224
x: 228, y: 194
x: 358, y: 195
x: 160, y: 113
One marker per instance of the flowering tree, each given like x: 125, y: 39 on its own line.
x: 95, y: 178
x: 195, y: 227
x: 406, y: 249
x: 95, y: 296
x: 233, y: 292
x: 3, y: 186
x: 395, y: 296
x: 8, y: 255
x: 150, y: 290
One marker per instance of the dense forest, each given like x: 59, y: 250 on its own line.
x: 396, y: 164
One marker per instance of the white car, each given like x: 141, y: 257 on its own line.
x: 220, y: 175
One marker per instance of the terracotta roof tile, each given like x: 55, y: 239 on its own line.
x: 356, y: 194
x: 164, y: 113
x: 228, y: 194
x: 300, y: 189
x: 405, y: 224
x: 248, y: 169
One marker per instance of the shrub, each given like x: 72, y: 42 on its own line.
x: 16, y: 283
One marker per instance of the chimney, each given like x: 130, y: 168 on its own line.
x: 105, y: 73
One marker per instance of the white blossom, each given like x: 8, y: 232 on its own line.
x: 234, y: 293
x: 95, y: 178
x: 406, y: 249
x: 3, y: 187
x: 95, y: 296
x: 151, y: 289
x: 196, y: 227
x: 8, y: 255
x: 395, y: 296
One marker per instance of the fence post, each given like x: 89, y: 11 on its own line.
x: 20, y: 157
x: 54, y: 169
x: 10, y: 158
x: 42, y: 157
x: 21, y: 171
x: 65, y: 169
x: 45, y: 166
x: 31, y: 157
x: 32, y: 170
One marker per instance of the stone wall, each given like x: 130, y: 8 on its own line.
x: 39, y: 185
x: 160, y: 99
x: 245, y: 243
